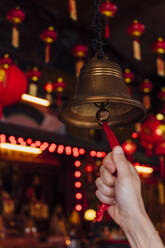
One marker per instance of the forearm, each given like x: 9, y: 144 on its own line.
x: 141, y: 233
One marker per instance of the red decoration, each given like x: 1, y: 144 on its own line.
x: 33, y: 75
x: 152, y: 134
x: 72, y: 10
x: 15, y: 16
x: 128, y: 77
x: 146, y: 88
x: 59, y: 86
x: 6, y: 61
x: 129, y: 148
x: 135, y: 30
x: 108, y: 10
x: 49, y: 89
x: 13, y: 83
x: 159, y: 48
x: 48, y: 36
x: 79, y: 52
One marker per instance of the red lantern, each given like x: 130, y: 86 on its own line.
x: 33, y: 75
x: 13, y: 83
x: 159, y: 48
x: 108, y: 10
x: 160, y: 151
x: 48, y: 36
x: 72, y: 10
x: 49, y: 89
x: 59, y: 86
x: 146, y: 88
x: 129, y: 148
x: 80, y: 53
x: 152, y: 133
x: 128, y: 77
x: 135, y: 30
x: 15, y: 16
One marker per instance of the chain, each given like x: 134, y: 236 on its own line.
x: 97, y: 43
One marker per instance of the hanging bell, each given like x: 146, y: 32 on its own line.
x: 100, y: 87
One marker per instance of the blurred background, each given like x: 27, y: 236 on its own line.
x: 48, y: 168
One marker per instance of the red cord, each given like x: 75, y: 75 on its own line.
x: 112, y: 142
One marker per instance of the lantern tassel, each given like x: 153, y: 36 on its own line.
x: 162, y: 167
x: 49, y: 97
x: 129, y: 91
x: 160, y: 66
x: 112, y: 142
x: 47, y: 53
x: 73, y: 10
x: 136, y: 49
x: 59, y: 99
x: 15, y: 37
x: 79, y: 65
x: 147, y: 101
x: 33, y: 89
x: 107, y: 30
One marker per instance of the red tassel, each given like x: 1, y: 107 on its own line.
x: 15, y: 37
x: 47, y: 53
x: 59, y: 100
x: 107, y: 30
x: 79, y: 65
x: 73, y: 10
x: 129, y: 91
x: 147, y: 101
x: 160, y: 66
x: 162, y: 167
x: 136, y: 49
x: 112, y: 142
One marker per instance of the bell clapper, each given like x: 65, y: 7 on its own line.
x: 102, y: 114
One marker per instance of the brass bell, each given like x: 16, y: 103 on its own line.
x: 101, y: 86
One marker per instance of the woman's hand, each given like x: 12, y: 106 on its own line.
x: 119, y: 186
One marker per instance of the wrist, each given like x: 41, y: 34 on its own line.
x: 140, y: 231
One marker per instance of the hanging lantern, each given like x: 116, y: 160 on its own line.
x: 33, y: 75
x: 128, y: 77
x: 159, y: 48
x: 59, y: 86
x: 72, y: 10
x: 129, y: 148
x: 13, y: 83
x: 152, y: 133
x: 79, y: 52
x: 48, y: 36
x: 146, y: 88
x: 135, y: 30
x: 6, y: 61
x: 108, y: 10
x: 49, y: 89
x: 16, y: 16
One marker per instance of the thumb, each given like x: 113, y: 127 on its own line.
x: 120, y: 160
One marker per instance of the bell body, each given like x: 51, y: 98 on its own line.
x: 101, y: 81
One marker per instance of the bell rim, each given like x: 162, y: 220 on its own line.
x: 95, y: 125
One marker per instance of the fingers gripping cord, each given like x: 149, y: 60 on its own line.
x: 112, y: 142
